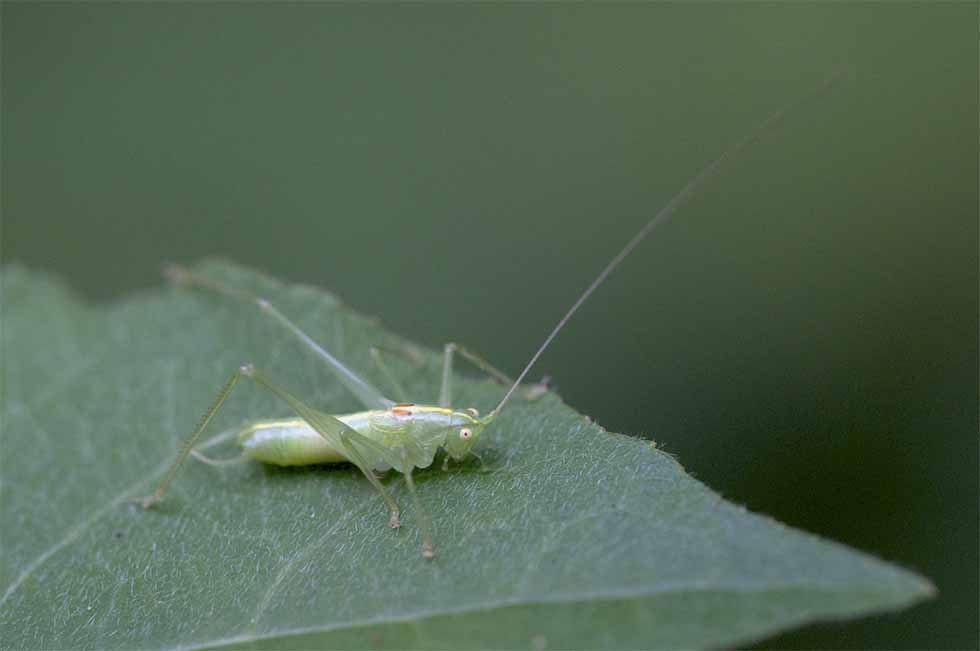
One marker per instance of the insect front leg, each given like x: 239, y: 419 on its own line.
x: 473, y: 453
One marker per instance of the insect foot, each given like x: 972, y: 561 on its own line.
x: 394, y: 522
x: 427, y: 549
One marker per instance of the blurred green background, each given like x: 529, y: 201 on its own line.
x: 803, y: 335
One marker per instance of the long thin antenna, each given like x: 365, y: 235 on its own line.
x: 663, y: 215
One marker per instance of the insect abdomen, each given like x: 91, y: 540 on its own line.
x: 287, y: 443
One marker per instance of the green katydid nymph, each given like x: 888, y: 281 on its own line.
x: 394, y: 435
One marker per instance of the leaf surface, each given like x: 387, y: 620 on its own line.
x: 570, y: 537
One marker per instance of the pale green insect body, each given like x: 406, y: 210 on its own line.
x: 288, y: 442
x: 294, y: 442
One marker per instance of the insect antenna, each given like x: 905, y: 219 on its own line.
x: 662, y: 216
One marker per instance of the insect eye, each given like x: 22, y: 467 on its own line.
x: 465, y: 433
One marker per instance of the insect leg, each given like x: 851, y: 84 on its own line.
x: 369, y: 396
x: 425, y: 524
x: 379, y: 362
x: 446, y: 393
x: 337, y: 434
x: 358, y: 460
x: 188, y: 445
x: 241, y: 458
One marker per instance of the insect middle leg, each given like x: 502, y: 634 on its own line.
x: 425, y: 523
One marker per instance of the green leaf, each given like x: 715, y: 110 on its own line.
x: 572, y: 536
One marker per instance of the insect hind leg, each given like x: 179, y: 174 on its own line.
x: 369, y: 396
x: 378, y: 359
x: 234, y: 461
x: 188, y: 445
x: 336, y: 433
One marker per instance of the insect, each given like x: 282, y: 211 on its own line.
x: 388, y: 434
